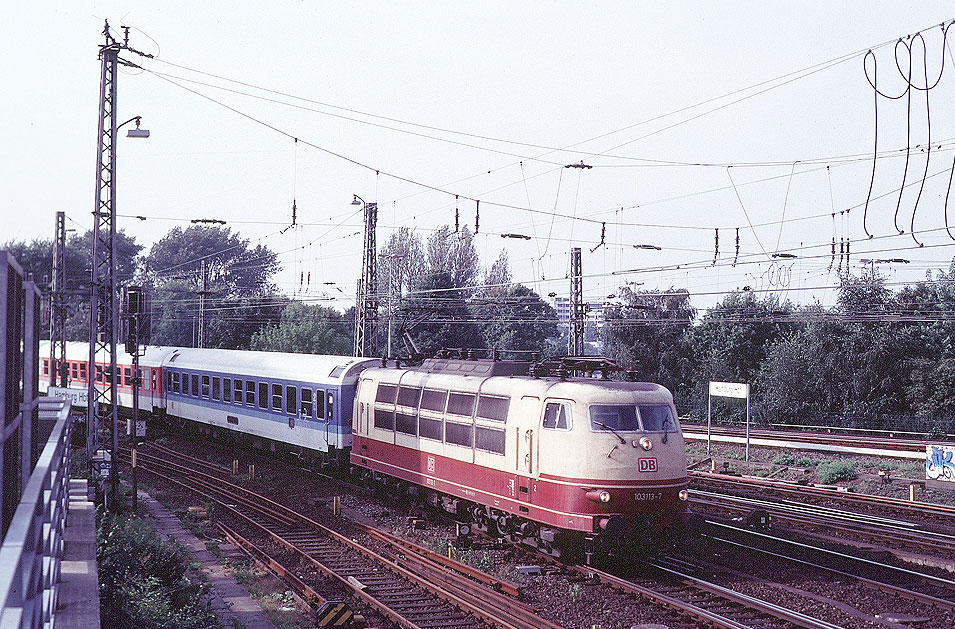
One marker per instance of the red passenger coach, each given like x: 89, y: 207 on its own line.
x: 543, y: 461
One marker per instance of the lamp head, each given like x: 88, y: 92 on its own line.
x: 137, y: 132
x: 355, y: 200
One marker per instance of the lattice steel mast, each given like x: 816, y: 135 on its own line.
x: 366, y: 304
x: 576, y: 341
x: 58, y: 365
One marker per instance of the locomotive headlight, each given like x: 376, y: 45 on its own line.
x: 645, y: 443
x: 684, y: 495
x: 601, y: 495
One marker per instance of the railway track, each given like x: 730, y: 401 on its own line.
x: 405, y: 584
x: 918, y: 586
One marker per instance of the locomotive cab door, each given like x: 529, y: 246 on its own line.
x: 525, y: 428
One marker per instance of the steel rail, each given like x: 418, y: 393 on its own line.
x: 880, y: 585
x: 458, y: 593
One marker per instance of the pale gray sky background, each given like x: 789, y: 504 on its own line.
x: 631, y: 86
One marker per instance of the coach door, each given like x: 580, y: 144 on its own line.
x: 526, y: 446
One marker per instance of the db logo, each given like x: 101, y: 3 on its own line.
x: 647, y: 465
x: 431, y: 464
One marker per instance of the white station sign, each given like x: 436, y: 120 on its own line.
x: 729, y: 389
x: 77, y: 397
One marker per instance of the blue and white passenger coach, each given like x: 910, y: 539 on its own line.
x: 303, y: 400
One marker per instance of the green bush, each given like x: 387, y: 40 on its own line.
x: 784, y: 459
x: 805, y: 461
x: 142, y: 579
x: 835, y: 471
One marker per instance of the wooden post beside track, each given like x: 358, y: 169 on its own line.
x: 337, y: 505
x: 912, y: 493
x: 251, y: 473
x: 235, y: 467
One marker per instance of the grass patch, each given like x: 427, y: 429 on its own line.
x: 784, y: 459
x: 835, y: 471
x: 142, y: 578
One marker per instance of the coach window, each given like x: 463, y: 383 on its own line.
x: 250, y: 393
x: 319, y: 404
x: 237, y: 391
x: 216, y: 388
x: 305, y: 410
x: 493, y: 408
x: 175, y: 382
x: 276, y: 397
x: 195, y: 384
x: 263, y: 395
x: 461, y: 404
x: 227, y: 389
x: 185, y: 384
x: 557, y: 416
x: 205, y: 387
x: 291, y: 399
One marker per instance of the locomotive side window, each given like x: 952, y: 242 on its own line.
x: 306, y: 408
x: 409, y: 396
x: 461, y: 404
x: 656, y: 417
x: 386, y: 393
x: 430, y: 428
x: 175, y: 382
x: 195, y: 384
x: 557, y: 416
x: 276, y: 397
x: 458, y: 434
x: 384, y: 419
x: 494, y: 408
x: 263, y: 395
x: 607, y: 417
x: 216, y: 388
x: 406, y: 423
x: 320, y: 403
x: 291, y: 399
x: 227, y: 390
x: 205, y: 387
x: 432, y: 400
x: 489, y: 439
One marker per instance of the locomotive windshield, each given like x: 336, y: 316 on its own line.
x: 631, y: 418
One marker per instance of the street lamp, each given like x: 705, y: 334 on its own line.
x: 137, y: 132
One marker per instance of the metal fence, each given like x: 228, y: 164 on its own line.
x: 33, y: 546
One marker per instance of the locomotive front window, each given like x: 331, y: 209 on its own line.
x: 606, y: 417
x: 557, y: 416
x: 655, y: 417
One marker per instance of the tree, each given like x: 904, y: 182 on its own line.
x: 651, y: 331
x: 515, y: 318
x: 240, y: 297
x: 437, y: 316
x: 453, y: 253
x: 304, y: 329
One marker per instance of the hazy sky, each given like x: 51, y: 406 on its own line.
x: 475, y: 99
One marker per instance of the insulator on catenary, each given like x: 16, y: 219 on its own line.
x: 716, y: 247
x: 477, y: 216
x: 736, y: 255
x: 457, y: 215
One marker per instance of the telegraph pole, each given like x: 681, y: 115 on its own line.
x: 58, y: 366
x: 576, y: 341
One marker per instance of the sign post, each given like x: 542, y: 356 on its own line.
x: 726, y: 389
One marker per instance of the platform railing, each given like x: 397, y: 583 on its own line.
x: 33, y: 546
